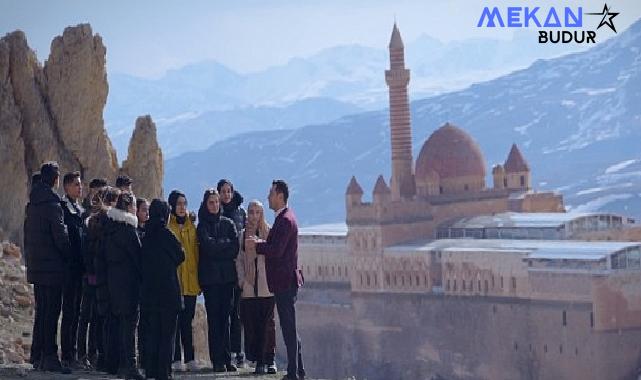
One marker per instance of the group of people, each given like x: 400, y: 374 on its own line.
x: 126, y: 274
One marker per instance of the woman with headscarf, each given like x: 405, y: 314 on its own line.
x: 231, y: 201
x: 257, y: 303
x: 184, y: 228
x: 218, y: 244
x: 161, y: 295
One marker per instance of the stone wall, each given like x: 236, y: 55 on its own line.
x: 420, y: 336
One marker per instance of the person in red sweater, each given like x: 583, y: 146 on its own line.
x: 283, y: 277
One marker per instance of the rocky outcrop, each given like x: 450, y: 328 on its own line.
x: 55, y: 113
x: 16, y: 307
x: 77, y: 92
x: 14, y: 175
x: 144, y: 162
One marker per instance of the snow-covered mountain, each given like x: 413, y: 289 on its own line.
x: 192, y: 131
x: 576, y: 118
x: 350, y: 74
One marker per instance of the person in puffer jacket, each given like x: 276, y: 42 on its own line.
x: 218, y: 244
x: 122, y: 251
x: 231, y: 201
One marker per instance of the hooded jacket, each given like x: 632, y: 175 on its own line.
x: 235, y: 211
x: 122, y: 256
x: 161, y: 256
x: 46, y: 238
x: 188, y: 270
x: 218, y: 244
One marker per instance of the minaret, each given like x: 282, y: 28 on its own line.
x: 397, y: 77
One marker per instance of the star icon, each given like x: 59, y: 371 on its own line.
x: 607, y: 17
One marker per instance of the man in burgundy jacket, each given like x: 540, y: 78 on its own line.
x: 283, y: 277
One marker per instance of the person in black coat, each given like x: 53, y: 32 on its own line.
x: 218, y: 245
x: 36, y: 336
x: 231, y: 201
x: 49, y: 250
x: 122, y: 252
x: 108, y: 349
x: 72, y: 289
x: 142, y: 213
x: 161, y: 295
x: 91, y: 350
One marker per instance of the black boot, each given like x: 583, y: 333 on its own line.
x: 52, y: 364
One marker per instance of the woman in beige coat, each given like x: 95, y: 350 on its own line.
x: 257, y: 303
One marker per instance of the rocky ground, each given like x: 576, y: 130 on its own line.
x: 16, y: 307
x: 23, y: 372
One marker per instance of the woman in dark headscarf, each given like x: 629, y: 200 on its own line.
x: 231, y: 201
x: 161, y: 296
x: 184, y: 228
x: 218, y: 242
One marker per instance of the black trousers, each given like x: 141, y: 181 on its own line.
x: 45, y: 330
x: 184, y: 334
x: 111, y: 342
x: 286, y: 306
x: 142, y: 341
x: 127, y: 340
x: 71, y: 299
x: 257, y: 315
x: 36, y: 335
x: 235, y: 329
x: 159, y: 343
x: 218, y: 303
x: 89, y: 325
x: 49, y: 301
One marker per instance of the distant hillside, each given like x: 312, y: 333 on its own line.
x: 348, y: 74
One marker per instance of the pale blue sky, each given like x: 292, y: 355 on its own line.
x: 147, y: 37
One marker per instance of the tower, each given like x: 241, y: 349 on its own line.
x: 397, y: 78
x: 517, y: 171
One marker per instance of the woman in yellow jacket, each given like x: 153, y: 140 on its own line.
x: 182, y: 225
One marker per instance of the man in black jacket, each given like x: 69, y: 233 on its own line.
x: 47, y: 241
x: 72, y: 289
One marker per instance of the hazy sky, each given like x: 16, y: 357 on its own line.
x: 147, y: 37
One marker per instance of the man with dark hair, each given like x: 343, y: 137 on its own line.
x: 36, y: 337
x: 72, y: 290
x: 123, y: 182
x: 47, y: 241
x: 283, y: 277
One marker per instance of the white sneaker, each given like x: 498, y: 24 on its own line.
x: 177, y: 366
x: 192, y: 366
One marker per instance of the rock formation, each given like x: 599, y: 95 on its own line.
x: 12, y: 151
x: 55, y: 113
x: 77, y: 92
x: 144, y: 160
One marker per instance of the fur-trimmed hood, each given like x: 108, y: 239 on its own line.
x: 118, y: 215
